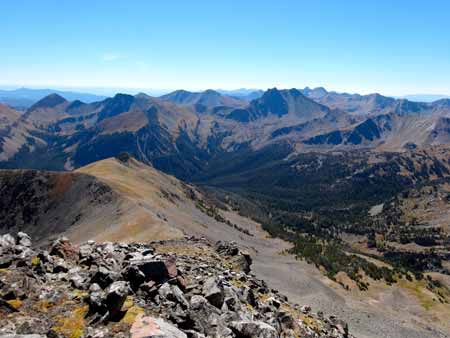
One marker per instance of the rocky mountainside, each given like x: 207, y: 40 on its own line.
x: 243, y: 94
x: 202, y: 101
x: 45, y: 203
x: 8, y: 116
x: 390, y: 132
x: 278, y: 103
x: 181, y: 132
x: 318, y: 203
x: 113, y: 199
x: 24, y: 98
x: 172, y: 289
x: 373, y: 104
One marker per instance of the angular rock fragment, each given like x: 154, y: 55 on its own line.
x: 134, y: 276
x: 7, y: 241
x: 96, y: 299
x: 63, y: 248
x: 104, y: 277
x: 152, y: 327
x: 6, y: 261
x: 156, y: 270
x: 6, y: 308
x: 23, y: 239
x: 116, y: 294
x: 198, y: 296
x: 253, y: 329
x: 213, y: 292
x: 173, y: 293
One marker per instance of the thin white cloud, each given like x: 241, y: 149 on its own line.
x: 108, y: 57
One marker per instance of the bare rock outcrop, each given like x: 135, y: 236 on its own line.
x: 168, y: 289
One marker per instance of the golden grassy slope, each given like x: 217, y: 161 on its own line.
x: 149, y: 203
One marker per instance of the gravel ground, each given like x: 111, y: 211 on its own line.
x: 392, y: 315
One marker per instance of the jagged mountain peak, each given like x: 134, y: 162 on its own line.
x: 272, y: 102
x: 271, y: 92
x: 377, y: 97
x: 280, y: 102
x: 181, y: 95
x: 202, y: 100
x: 122, y: 96
x: 284, y: 93
x: 75, y: 105
x: 143, y: 96
x: 116, y: 105
x: 314, y: 93
x: 295, y: 92
x: 50, y: 101
x: 211, y: 92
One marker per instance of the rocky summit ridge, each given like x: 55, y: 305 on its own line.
x: 166, y: 289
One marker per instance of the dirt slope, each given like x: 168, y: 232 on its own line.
x: 109, y: 200
x: 398, y: 311
x: 153, y: 205
x: 125, y: 200
x: 45, y: 204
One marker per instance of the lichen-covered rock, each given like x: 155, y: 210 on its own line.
x: 152, y: 327
x: 168, y: 289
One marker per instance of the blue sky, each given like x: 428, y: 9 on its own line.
x: 392, y: 47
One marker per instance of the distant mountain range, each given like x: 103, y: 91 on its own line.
x: 184, y: 132
x: 425, y: 97
x: 25, y: 97
x: 244, y: 94
x: 310, y: 165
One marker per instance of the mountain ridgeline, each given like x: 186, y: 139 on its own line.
x: 357, y: 184
x: 184, y: 132
x: 288, y: 151
x: 232, y: 144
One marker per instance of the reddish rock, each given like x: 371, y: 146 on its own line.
x: 63, y: 248
x: 171, y: 266
x: 152, y: 327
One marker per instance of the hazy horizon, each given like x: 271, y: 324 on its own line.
x: 104, y: 91
x: 194, y: 46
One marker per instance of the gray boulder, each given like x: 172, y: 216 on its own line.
x: 172, y: 293
x: 156, y: 270
x: 104, y: 277
x: 116, y: 294
x: 7, y: 241
x: 206, y: 317
x: 6, y: 261
x: 253, y: 329
x: 213, y: 292
x: 23, y: 239
x: 95, y: 299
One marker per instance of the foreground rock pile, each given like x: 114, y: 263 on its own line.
x: 171, y: 289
